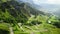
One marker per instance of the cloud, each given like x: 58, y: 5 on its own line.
x: 36, y: 1
x: 53, y: 1
x: 47, y: 1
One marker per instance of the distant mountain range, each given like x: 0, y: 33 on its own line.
x: 49, y: 8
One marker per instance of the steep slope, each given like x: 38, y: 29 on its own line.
x: 17, y: 12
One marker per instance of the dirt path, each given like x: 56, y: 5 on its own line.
x: 11, y: 30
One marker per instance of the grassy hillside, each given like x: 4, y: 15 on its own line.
x: 20, y: 18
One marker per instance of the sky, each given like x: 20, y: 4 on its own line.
x: 46, y: 1
x: 38, y: 2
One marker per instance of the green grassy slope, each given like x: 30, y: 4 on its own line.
x: 4, y: 28
x: 13, y: 12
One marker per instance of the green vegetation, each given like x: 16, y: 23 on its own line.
x: 4, y: 28
x: 25, y: 19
